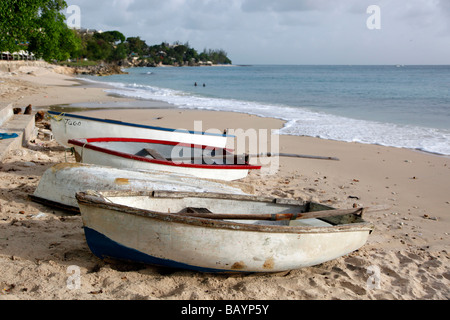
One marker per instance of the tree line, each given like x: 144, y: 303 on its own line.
x: 39, y: 26
x: 114, y: 46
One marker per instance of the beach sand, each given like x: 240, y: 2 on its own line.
x: 408, y: 252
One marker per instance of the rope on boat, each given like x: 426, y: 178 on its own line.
x: 82, y: 152
x: 56, y: 117
x: 72, y: 152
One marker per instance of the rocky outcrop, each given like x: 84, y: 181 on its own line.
x: 100, y: 70
x: 107, y: 69
x: 32, y: 67
x: 13, y: 66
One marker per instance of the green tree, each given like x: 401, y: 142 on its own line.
x: 191, y: 54
x: 215, y: 56
x: 70, y: 44
x: 113, y: 37
x: 39, y: 24
x: 98, y: 49
x: 136, y: 45
x: 17, y: 22
x: 120, y: 52
x: 53, y: 40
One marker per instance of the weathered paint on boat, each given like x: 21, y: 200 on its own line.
x: 66, y: 126
x: 127, y: 153
x: 148, y: 228
x: 59, y: 184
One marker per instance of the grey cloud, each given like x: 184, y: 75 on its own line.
x: 322, y: 31
x: 289, y: 5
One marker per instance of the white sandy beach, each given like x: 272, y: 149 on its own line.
x: 409, y: 246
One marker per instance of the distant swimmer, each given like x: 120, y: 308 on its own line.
x: 195, y: 84
x: 204, y: 85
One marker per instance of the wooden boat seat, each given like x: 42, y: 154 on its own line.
x: 197, y: 210
x: 189, y: 211
x: 150, y: 152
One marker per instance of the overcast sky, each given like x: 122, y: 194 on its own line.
x: 286, y: 31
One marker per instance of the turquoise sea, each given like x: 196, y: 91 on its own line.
x: 399, y: 106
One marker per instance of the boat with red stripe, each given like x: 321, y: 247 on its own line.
x: 146, y: 154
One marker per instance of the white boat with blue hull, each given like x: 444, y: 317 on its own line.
x: 212, y: 232
x: 66, y: 126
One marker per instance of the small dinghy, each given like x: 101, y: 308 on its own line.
x: 66, y: 126
x: 143, y: 154
x: 59, y: 184
x: 212, y: 232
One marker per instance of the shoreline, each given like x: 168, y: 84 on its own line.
x: 410, y: 244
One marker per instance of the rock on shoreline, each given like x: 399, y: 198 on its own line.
x: 99, y: 70
x: 107, y: 69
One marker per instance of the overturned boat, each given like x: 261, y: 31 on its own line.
x: 216, y: 232
x: 59, y: 184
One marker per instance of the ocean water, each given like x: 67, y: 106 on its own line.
x: 399, y: 106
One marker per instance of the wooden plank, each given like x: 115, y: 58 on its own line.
x: 197, y: 210
x: 221, y: 196
x: 284, y: 216
x: 292, y: 155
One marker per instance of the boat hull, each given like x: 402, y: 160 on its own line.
x: 59, y: 184
x: 116, y: 232
x: 96, y: 151
x: 67, y: 126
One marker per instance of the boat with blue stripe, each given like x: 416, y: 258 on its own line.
x: 66, y: 126
x: 215, y: 232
